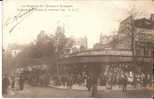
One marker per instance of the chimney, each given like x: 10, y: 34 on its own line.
x: 152, y: 17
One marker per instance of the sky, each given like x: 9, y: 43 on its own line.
x: 80, y: 18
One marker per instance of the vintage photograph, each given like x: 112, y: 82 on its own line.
x: 78, y: 49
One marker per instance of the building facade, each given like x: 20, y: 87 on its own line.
x: 137, y: 31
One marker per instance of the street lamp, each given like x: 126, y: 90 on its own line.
x: 133, y: 37
x: 57, y: 56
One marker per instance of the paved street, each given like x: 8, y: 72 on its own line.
x: 48, y: 92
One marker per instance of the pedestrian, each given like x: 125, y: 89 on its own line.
x: 88, y: 84
x: 70, y: 82
x: 63, y: 80
x: 94, y: 87
x: 5, y: 84
x: 12, y: 81
x: 21, y: 81
x: 135, y: 81
x: 94, y: 90
x: 124, y: 84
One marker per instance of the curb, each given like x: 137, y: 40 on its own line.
x: 67, y: 88
x: 98, y: 88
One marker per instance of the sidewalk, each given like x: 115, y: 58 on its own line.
x: 100, y: 88
x: 60, y: 92
x: 15, y: 91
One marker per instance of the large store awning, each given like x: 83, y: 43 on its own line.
x: 104, y: 56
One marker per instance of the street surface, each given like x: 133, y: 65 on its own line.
x: 49, y: 92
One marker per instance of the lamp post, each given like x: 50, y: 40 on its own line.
x: 133, y: 37
x: 15, y: 60
x: 57, y: 56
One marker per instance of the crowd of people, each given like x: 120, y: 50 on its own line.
x: 113, y: 75
x: 38, y: 77
x: 34, y: 76
x: 69, y: 80
x: 14, y: 82
x: 82, y: 79
x: 116, y: 74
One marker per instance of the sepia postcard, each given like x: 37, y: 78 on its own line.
x: 78, y: 49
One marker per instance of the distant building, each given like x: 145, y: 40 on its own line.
x: 103, y: 42
x: 82, y: 42
x: 143, y: 30
x: 78, y: 45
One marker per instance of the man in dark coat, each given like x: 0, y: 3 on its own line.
x: 88, y: 84
x: 21, y: 81
x: 94, y: 86
x: 13, y: 81
x: 5, y: 84
x: 124, y: 82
